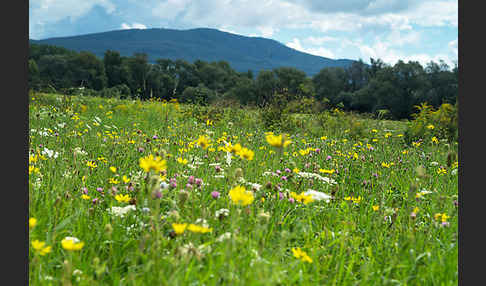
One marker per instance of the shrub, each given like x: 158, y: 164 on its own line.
x: 427, y: 123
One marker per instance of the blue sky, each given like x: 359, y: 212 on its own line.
x: 417, y: 30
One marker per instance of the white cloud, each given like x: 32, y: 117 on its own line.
x: 295, y: 44
x: 320, y: 40
x: 435, y: 14
x: 43, y: 12
x: 133, y: 26
x: 453, y: 47
x: 383, y: 51
x: 266, y: 31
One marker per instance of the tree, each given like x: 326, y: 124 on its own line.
x: 87, y: 71
x: 266, y: 86
x: 328, y: 83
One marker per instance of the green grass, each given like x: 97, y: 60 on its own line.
x: 349, y: 243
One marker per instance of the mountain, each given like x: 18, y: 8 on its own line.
x: 242, y: 53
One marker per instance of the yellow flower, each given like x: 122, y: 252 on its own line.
x: 113, y: 169
x: 179, y: 228
x: 85, y: 197
x: 299, y: 254
x: 246, y: 154
x: 388, y: 135
x: 203, y: 141
x: 302, y: 197
x: 325, y: 171
x: 376, y: 208
x: 39, y: 246
x: 113, y: 181
x: 385, y: 165
x: 295, y: 170
x: 233, y: 149
x: 72, y: 243
x: 91, y: 164
x: 33, y: 169
x: 277, y: 141
x: 125, y: 179
x: 32, y: 222
x: 198, y: 229
x: 122, y: 198
x: 416, y: 144
x: 435, y: 140
x: 150, y: 163
x: 240, y: 196
x: 182, y: 161
x: 323, y: 137
x: 441, y: 171
x: 430, y: 126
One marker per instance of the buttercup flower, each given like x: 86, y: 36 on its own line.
x: 72, y: 243
x: 149, y: 163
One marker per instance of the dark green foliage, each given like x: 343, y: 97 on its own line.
x: 370, y: 89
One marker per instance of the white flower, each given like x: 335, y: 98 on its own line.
x: 79, y: 151
x: 202, y: 222
x: 121, y: 211
x: 228, y: 158
x: 72, y: 238
x: 49, y: 153
x: 221, y: 213
x: 317, y: 176
x: 434, y: 163
x: 164, y: 185
x: 255, y: 186
x: 224, y: 236
x: 318, y: 196
x: 454, y: 172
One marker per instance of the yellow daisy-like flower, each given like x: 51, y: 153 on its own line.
x: 182, y: 161
x: 376, y: 208
x: 179, y: 228
x: 91, y: 164
x: 435, y: 140
x: 85, y: 197
x: 203, y: 141
x: 125, y: 179
x: 240, y: 196
x: 199, y: 229
x: 33, y: 169
x: 305, y: 199
x: 113, y: 169
x: 325, y: 171
x: 123, y: 198
x: 246, y: 154
x: 300, y: 254
x: 32, y: 222
x: 149, y: 163
x: 277, y: 141
x: 40, y: 247
x: 72, y: 243
x: 430, y: 126
x: 385, y: 165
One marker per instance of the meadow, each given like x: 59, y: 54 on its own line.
x: 129, y: 192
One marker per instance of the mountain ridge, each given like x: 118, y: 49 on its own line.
x: 241, y: 52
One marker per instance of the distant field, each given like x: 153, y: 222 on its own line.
x: 322, y: 205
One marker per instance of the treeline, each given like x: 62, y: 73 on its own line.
x: 366, y: 88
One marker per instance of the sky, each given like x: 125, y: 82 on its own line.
x: 390, y: 30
